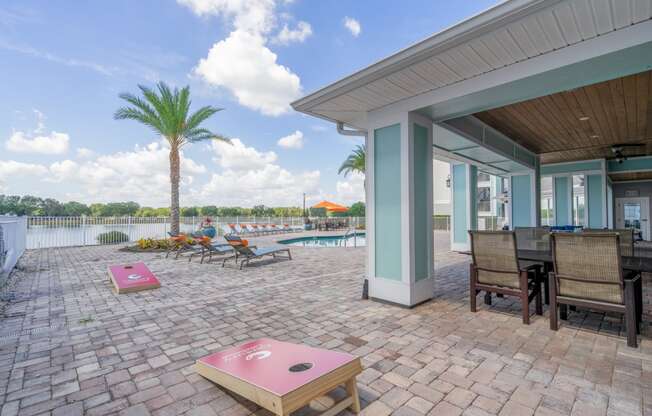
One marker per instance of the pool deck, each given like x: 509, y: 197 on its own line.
x: 70, y: 346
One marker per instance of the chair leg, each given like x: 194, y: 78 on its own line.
x: 563, y: 312
x: 525, y: 301
x: 538, y: 300
x: 546, y: 283
x: 487, y: 298
x: 473, y: 293
x: 552, y: 287
x: 639, y: 303
x: 630, y: 313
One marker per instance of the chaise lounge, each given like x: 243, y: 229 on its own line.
x: 248, y: 253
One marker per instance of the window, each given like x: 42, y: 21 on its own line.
x: 547, y: 204
x: 579, y: 200
x: 484, y: 199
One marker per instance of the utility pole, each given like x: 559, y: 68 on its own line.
x: 304, y: 204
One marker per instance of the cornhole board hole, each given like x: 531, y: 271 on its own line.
x: 134, y: 277
x: 283, y: 377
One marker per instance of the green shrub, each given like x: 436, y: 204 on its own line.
x: 112, y: 237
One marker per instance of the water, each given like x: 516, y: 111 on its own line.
x: 327, y: 241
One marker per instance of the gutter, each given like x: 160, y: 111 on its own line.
x: 346, y: 132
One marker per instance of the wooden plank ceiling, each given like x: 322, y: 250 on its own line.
x: 631, y: 176
x: 582, y: 123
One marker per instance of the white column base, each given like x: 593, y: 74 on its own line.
x: 400, y: 293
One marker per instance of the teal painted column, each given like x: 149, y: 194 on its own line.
x: 400, y: 208
x: 523, y: 201
x: 464, y: 188
x: 562, y: 200
x: 595, y: 201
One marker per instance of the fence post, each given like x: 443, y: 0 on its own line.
x: 84, y: 229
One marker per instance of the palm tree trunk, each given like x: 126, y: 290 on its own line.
x: 174, y: 189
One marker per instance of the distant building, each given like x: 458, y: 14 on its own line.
x: 441, y: 192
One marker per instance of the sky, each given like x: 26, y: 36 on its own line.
x: 65, y: 63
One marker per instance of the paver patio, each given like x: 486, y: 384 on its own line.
x: 70, y: 346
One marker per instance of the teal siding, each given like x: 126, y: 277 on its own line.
x: 562, y: 216
x: 571, y: 167
x: 387, y: 201
x: 422, y: 157
x: 643, y: 163
x: 521, y: 201
x: 595, y: 201
x: 460, y: 234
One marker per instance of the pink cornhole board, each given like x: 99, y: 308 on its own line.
x: 132, y: 278
x: 260, y: 371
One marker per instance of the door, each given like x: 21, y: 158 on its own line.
x: 634, y: 213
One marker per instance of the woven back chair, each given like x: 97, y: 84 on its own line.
x: 495, y: 269
x: 588, y: 273
x: 494, y: 256
x: 626, y: 238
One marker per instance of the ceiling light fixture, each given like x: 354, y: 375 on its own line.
x: 584, y: 118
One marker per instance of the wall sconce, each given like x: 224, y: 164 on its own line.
x: 448, y: 181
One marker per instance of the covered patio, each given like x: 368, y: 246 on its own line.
x: 551, y: 98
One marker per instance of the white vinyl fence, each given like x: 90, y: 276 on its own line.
x: 13, y: 231
x: 43, y: 232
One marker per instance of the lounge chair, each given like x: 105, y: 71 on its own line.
x: 208, y: 248
x: 179, y: 243
x: 248, y: 253
x: 228, y: 229
x: 496, y: 269
x: 252, y: 229
x: 588, y: 273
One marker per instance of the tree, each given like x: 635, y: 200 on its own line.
x: 189, y: 212
x: 209, y: 211
x: 357, y: 210
x: 355, y: 162
x: 167, y: 112
x: 75, y: 209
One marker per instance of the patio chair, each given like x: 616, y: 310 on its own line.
x: 248, y: 253
x: 496, y: 269
x: 535, y: 238
x: 626, y: 238
x: 228, y: 229
x: 208, y: 248
x: 178, y: 243
x: 588, y: 273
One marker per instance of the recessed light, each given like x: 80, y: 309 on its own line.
x: 595, y: 136
x: 584, y: 118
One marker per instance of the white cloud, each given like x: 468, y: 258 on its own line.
x: 85, y: 153
x: 351, y: 189
x: 292, y: 141
x: 299, y: 34
x: 352, y: 25
x: 250, y: 177
x: 9, y: 168
x: 244, y: 65
x: 256, y: 16
x: 51, y: 144
x: 141, y: 175
x: 236, y: 156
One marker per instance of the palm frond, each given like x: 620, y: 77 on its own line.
x: 200, y: 134
x: 200, y: 116
x: 355, y: 162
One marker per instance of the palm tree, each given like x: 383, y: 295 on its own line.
x: 355, y: 162
x: 167, y: 112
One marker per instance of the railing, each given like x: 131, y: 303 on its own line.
x: 44, y: 232
x: 441, y: 222
x: 13, y: 231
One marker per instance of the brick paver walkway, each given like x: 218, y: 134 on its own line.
x: 69, y: 346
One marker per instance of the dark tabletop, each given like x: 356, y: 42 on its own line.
x: 640, y: 261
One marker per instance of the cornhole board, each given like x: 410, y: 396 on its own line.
x: 134, y: 277
x: 283, y: 377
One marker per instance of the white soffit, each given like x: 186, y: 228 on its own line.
x: 511, y: 32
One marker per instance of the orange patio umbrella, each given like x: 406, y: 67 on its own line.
x: 331, y: 206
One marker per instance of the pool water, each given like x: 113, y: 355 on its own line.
x: 328, y: 241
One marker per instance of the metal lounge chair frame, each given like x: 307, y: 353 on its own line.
x: 252, y: 252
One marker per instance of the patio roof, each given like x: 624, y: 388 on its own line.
x: 508, y: 34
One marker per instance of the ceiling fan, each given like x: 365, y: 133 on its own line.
x: 622, y: 151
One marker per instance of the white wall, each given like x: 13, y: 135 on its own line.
x: 441, y: 194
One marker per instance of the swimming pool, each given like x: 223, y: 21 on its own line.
x: 328, y: 241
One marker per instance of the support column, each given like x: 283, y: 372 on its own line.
x: 464, y: 213
x: 523, y: 199
x: 399, y: 209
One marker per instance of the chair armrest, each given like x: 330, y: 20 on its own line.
x: 632, y: 277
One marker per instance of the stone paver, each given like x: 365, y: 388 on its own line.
x: 69, y: 345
